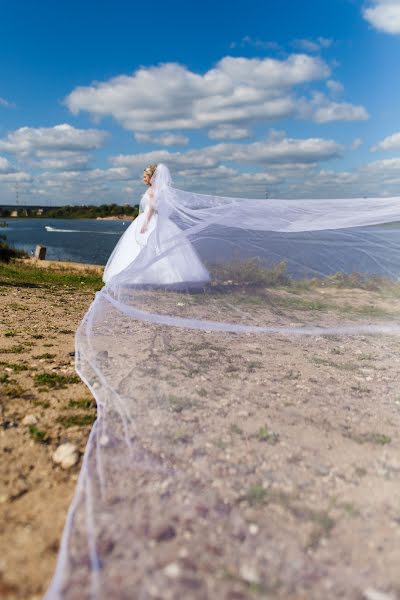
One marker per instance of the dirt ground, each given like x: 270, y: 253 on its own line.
x: 37, y: 338
x: 294, y: 439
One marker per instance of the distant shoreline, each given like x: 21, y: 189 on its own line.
x: 116, y: 218
x: 38, y: 218
x: 103, y: 211
x: 61, y: 265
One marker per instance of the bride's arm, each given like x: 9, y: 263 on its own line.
x: 150, y: 212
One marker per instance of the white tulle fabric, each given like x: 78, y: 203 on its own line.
x: 202, y: 265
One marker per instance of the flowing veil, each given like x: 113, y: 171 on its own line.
x: 161, y: 348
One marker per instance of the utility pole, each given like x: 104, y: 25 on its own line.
x: 17, y: 193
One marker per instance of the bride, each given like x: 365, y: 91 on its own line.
x: 149, y: 241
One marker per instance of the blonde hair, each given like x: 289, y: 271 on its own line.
x: 150, y: 169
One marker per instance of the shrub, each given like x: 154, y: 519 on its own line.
x: 8, y: 252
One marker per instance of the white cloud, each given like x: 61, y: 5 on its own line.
x: 236, y: 93
x: 166, y: 139
x: 292, y: 174
x: 277, y: 149
x: 356, y: 143
x: 384, y: 15
x: 392, y: 142
x: 59, y: 147
x: 5, y: 166
x: 247, y: 40
x: 312, y: 45
x: 170, y: 96
x: 28, y: 140
x: 334, y: 86
x: 6, y: 104
x: 11, y: 178
x: 324, y: 110
x: 228, y: 132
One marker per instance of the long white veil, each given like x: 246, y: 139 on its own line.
x: 149, y: 349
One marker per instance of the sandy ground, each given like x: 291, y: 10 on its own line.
x: 37, y: 335
x: 292, y: 443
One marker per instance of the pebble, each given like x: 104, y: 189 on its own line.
x: 253, y: 529
x: 371, y: 594
x: 66, y: 455
x: 29, y: 420
x: 249, y: 574
x: 172, y: 570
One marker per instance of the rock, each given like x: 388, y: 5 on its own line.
x: 253, y: 529
x: 371, y: 594
x: 249, y: 574
x: 66, y: 455
x: 6, y: 424
x: 322, y: 470
x: 29, y: 420
x: 172, y: 570
x: 165, y: 533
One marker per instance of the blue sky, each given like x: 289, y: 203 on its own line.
x: 297, y: 98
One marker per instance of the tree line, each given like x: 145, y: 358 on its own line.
x: 71, y: 211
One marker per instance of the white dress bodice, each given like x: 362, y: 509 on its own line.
x: 145, y: 202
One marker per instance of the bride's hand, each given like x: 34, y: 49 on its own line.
x: 143, y: 228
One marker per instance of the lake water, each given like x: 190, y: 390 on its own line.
x: 78, y: 240
x: 368, y: 249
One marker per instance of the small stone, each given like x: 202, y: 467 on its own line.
x: 371, y: 594
x: 253, y: 529
x: 249, y: 574
x: 29, y: 420
x: 322, y: 470
x: 172, y: 570
x: 66, y: 455
x: 165, y: 533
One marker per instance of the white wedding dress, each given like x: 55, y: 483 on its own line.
x: 179, y: 264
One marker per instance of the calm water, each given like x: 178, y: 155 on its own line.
x: 372, y: 250
x: 80, y: 240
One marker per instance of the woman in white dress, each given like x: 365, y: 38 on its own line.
x: 150, y: 240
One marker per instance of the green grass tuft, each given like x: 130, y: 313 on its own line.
x: 55, y: 381
x: 42, y: 437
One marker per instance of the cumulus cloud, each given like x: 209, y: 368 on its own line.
x: 384, y: 15
x: 392, y: 142
x: 316, y: 45
x: 166, y: 139
x: 228, y: 132
x: 335, y: 87
x: 356, y: 143
x: 237, y: 92
x: 324, y: 110
x: 8, y: 180
x: 170, y: 96
x: 247, y: 40
x: 5, y: 166
x: 64, y: 137
x: 59, y: 147
x: 292, y: 176
x: 276, y: 149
